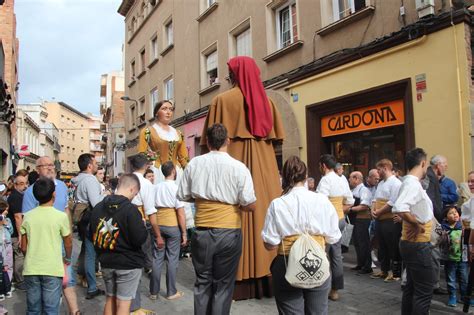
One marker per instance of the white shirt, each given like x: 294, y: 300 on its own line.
x: 168, y: 135
x: 165, y: 195
x: 333, y: 185
x: 414, y: 199
x: 364, y: 194
x: 301, y: 210
x: 388, y: 190
x: 216, y: 176
x: 146, y: 195
x: 467, y: 211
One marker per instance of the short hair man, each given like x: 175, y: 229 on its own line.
x: 15, y: 201
x: 336, y: 188
x: 361, y: 208
x: 45, y: 168
x: 100, y: 175
x: 172, y: 222
x: 447, y: 186
x: 217, y: 245
x: 415, y: 208
x: 88, y: 191
x: 43, y: 231
x: 388, y: 227
x: 372, y: 180
x: 118, y: 234
x: 145, y: 201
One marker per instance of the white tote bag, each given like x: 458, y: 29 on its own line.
x: 347, y: 233
x: 308, y: 266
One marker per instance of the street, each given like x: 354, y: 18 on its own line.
x: 362, y: 295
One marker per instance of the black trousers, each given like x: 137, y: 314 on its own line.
x: 418, y: 291
x: 215, y: 254
x: 291, y: 300
x: 361, y: 239
x: 388, y: 234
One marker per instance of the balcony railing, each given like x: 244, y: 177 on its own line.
x: 94, y: 136
x: 96, y: 148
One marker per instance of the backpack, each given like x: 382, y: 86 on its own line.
x: 308, y: 265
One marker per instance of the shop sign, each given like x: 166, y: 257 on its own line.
x: 366, y: 118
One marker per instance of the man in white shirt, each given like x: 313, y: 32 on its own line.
x: 172, y: 221
x: 337, y: 190
x: 222, y: 187
x: 145, y: 201
x: 361, y: 209
x: 415, y: 208
x: 388, y: 227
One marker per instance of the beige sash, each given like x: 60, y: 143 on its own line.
x: 215, y: 214
x: 379, y: 203
x: 337, y: 202
x: 420, y: 238
x: 167, y: 217
x: 288, y: 241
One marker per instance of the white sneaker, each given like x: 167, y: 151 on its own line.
x: 8, y: 295
x: 2, y: 297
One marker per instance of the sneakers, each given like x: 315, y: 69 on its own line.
x: 2, y: 297
x: 91, y: 295
x: 21, y: 286
x: 378, y: 275
x: 333, y: 295
x: 8, y: 295
x: 153, y: 297
x: 391, y: 278
x: 452, y: 301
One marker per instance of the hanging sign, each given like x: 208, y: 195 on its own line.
x: 366, y: 118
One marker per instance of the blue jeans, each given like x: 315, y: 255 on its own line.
x: 89, y: 262
x: 43, y: 295
x: 456, y: 271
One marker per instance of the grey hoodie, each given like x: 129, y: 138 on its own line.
x: 88, y: 189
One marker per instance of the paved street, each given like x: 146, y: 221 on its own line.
x: 361, y: 296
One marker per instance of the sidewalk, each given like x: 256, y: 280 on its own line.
x: 362, y: 295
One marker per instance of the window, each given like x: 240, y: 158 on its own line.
x: 154, y: 48
x: 287, y: 31
x: 153, y: 99
x: 169, y: 89
x: 142, y: 60
x: 132, y: 71
x: 169, y: 33
x: 133, y: 117
x: 244, y: 43
x: 343, y: 8
x: 211, y: 68
x: 210, y: 2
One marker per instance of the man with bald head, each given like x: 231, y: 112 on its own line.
x: 361, y: 209
x: 372, y: 180
x: 46, y: 168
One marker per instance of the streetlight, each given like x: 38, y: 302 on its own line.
x: 128, y: 99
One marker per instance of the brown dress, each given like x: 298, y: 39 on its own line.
x: 253, y: 274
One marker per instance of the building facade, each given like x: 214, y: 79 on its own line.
x: 293, y: 41
x: 112, y: 110
x: 29, y: 135
x: 73, y: 130
x: 97, y: 129
x: 9, y: 46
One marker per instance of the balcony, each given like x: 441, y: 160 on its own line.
x: 57, y: 147
x: 95, y: 136
x: 96, y: 148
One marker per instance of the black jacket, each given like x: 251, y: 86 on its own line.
x: 118, y: 232
x: 434, y: 193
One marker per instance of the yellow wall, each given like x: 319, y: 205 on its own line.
x: 438, y: 127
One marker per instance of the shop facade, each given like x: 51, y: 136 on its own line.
x: 416, y: 93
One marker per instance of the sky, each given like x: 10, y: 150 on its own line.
x: 65, y: 46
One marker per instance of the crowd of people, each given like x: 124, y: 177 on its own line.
x: 250, y: 230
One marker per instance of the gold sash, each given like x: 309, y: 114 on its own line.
x: 379, y: 203
x: 215, y: 214
x: 288, y: 241
x: 420, y: 238
x: 142, y: 213
x: 167, y: 217
x: 466, y: 224
x: 363, y: 214
x: 337, y: 202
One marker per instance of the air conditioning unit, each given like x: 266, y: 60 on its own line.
x: 425, y: 8
x: 120, y: 138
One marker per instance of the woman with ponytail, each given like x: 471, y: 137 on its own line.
x: 298, y: 210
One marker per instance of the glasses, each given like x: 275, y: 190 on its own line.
x: 47, y: 165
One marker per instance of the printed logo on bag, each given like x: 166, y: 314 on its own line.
x: 311, y: 263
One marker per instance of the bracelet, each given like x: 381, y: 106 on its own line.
x: 67, y: 259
